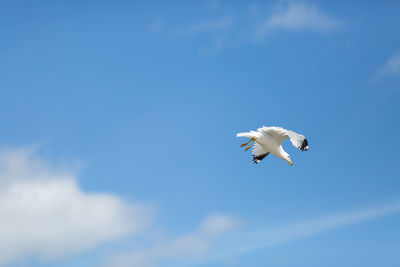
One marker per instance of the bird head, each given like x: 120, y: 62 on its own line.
x: 287, y: 158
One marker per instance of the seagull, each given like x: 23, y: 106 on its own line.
x: 268, y: 140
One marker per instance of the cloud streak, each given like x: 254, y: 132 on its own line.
x: 211, y: 26
x: 218, y: 238
x: 183, y: 250
x: 392, y: 66
x: 276, y: 236
x: 236, y: 29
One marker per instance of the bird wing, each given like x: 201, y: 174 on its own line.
x: 277, y: 133
x: 280, y: 134
x: 258, y: 153
x: 298, y: 140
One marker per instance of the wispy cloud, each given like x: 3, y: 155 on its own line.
x: 46, y: 215
x: 244, y: 27
x: 392, y: 66
x: 213, y: 4
x: 217, y: 239
x: 185, y: 250
x: 211, y: 26
x: 297, y: 17
x: 274, y: 236
x: 216, y: 30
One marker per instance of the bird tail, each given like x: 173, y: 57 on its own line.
x: 250, y: 134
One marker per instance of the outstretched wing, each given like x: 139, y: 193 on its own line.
x: 277, y: 133
x: 258, y: 153
x: 280, y: 134
x: 298, y: 140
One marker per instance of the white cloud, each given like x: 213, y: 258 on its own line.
x: 296, y: 17
x: 46, y: 215
x: 392, y: 66
x: 182, y: 250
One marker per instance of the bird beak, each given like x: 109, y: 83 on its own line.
x: 290, y: 163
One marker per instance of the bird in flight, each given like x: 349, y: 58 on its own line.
x: 268, y: 140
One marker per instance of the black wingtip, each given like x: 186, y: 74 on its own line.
x: 304, y: 145
x: 257, y: 159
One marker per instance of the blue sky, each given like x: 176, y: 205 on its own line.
x: 119, y: 122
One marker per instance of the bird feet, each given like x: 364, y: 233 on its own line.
x: 251, y: 141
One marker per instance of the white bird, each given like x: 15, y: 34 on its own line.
x: 269, y: 139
